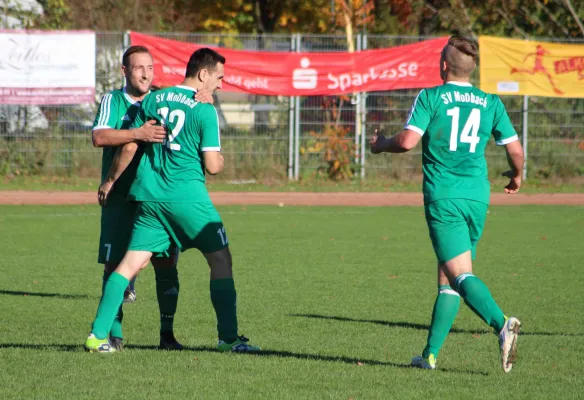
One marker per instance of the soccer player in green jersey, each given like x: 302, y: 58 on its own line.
x: 116, y: 112
x: 174, y: 207
x: 454, y: 121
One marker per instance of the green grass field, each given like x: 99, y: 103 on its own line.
x: 77, y: 184
x: 339, y: 299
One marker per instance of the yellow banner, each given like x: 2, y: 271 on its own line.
x: 521, y: 67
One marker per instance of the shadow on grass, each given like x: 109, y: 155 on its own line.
x: 263, y: 353
x: 53, y: 347
x: 37, y: 294
x: 312, y: 357
x: 400, y: 324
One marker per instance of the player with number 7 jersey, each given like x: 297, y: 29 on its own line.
x: 174, y: 207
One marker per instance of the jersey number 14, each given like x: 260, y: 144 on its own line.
x: 470, y: 131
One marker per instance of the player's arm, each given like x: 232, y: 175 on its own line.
x: 104, y: 133
x: 148, y: 132
x: 409, y: 137
x: 204, y: 96
x: 400, y: 143
x: 211, y: 140
x: 516, y: 160
x: 214, y: 162
x: 505, y: 135
x: 122, y: 158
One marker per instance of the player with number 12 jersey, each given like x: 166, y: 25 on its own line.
x: 174, y: 171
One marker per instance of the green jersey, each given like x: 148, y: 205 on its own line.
x: 456, y: 121
x: 117, y: 110
x: 173, y: 171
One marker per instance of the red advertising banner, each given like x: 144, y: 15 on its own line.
x: 305, y: 74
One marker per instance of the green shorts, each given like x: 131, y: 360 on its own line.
x: 116, y: 228
x: 455, y: 226
x: 188, y: 225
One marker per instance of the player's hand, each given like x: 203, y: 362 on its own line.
x: 514, y: 183
x: 204, y: 96
x: 104, y: 192
x: 151, y: 133
x: 376, y: 142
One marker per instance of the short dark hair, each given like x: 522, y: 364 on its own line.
x: 133, y: 50
x: 204, y: 58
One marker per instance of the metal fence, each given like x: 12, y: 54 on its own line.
x: 276, y: 137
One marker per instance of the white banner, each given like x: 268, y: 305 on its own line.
x: 47, y: 67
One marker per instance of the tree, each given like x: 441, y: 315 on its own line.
x: 266, y: 14
x: 511, y: 18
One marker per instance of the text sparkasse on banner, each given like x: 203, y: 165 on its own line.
x: 305, y: 74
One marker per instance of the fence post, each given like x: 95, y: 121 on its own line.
x: 525, y: 126
x: 363, y: 120
x: 356, y: 100
x: 125, y: 44
x: 297, y: 121
x: 291, y: 119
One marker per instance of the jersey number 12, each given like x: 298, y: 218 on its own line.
x: 176, y: 117
x: 470, y: 131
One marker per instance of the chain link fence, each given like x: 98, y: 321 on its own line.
x: 279, y: 137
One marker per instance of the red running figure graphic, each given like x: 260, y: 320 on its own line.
x: 538, y: 66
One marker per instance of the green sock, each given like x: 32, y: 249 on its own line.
x: 116, y: 330
x: 167, y: 288
x: 477, y: 296
x: 224, y: 300
x: 111, y: 300
x: 445, y: 310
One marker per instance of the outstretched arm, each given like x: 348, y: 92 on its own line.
x: 400, y: 143
x: 416, y: 124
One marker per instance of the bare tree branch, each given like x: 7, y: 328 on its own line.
x: 258, y: 17
x: 552, y: 18
x: 532, y: 21
x: 436, y: 11
x: 431, y: 7
x: 467, y: 18
x: 568, y: 4
x: 511, y: 23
